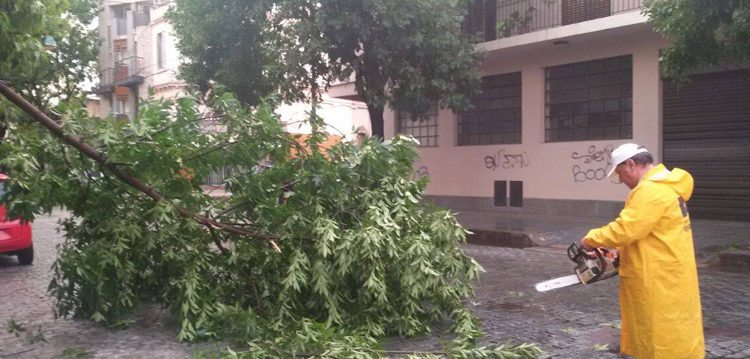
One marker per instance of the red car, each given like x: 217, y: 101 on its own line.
x: 15, y: 237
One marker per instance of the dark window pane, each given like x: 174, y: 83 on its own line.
x: 422, y: 129
x: 495, y: 113
x: 589, y: 100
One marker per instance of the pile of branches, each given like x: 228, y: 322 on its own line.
x: 313, y: 250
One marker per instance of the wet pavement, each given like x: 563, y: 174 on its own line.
x: 23, y: 300
x: 574, y: 322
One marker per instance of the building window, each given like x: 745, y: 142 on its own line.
x: 119, y: 11
x: 590, y: 100
x: 423, y: 129
x: 120, y: 107
x: 495, y: 117
x: 160, y: 50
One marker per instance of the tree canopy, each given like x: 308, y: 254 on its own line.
x: 321, y: 253
x: 328, y: 248
x: 406, y: 54
x: 46, y: 76
x: 705, y: 33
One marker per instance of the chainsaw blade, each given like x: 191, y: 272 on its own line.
x: 557, y: 283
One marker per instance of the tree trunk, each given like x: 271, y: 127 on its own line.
x: 376, y: 120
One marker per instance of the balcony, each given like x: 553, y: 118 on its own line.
x: 125, y: 72
x: 494, y: 19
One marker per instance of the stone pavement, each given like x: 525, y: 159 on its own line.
x: 567, y: 323
x: 574, y: 322
x: 717, y: 243
x: 23, y: 299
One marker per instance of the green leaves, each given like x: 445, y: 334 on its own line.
x: 408, y: 54
x: 361, y: 256
x: 47, y: 76
x: 704, y: 33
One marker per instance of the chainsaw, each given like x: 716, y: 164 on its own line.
x: 592, y: 266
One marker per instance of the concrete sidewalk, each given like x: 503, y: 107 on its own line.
x: 717, y: 243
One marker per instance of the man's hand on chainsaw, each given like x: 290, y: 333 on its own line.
x: 585, y: 246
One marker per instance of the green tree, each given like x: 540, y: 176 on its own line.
x: 226, y: 42
x: 407, y: 54
x: 326, y: 246
x: 704, y: 33
x: 46, y: 77
x: 324, y: 252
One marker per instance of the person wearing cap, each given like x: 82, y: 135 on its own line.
x: 659, y: 294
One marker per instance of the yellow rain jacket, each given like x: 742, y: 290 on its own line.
x: 659, y: 295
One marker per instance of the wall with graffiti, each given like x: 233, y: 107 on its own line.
x: 593, y: 164
x: 506, y: 160
x: 573, y: 170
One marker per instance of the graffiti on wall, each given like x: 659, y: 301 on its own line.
x: 501, y: 159
x: 592, y: 165
x: 421, y: 172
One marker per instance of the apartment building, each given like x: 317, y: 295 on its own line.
x: 565, y: 82
x: 137, y: 54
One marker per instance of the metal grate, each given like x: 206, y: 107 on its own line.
x: 574, y: 11
x: 423, y: 129
x: 501, y: 193
x: 496, y: 114
x: 707, y: 133
x: 217, y: 177
x: 590, y: 100
x: 516, y: 193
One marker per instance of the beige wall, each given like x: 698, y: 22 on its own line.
x: 547, y: 169
x: 343, y: 118
x: 163, y: 80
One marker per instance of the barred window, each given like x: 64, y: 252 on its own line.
x: 495, y: 117
x: 590, y: 100
x: 423, y: 129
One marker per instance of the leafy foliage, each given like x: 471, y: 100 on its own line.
x: 705, y: 33
x: 361, y: 256
x: 408, y: 54
x: 314, y: 340
x: 45, y: 77
x: 224, y: 42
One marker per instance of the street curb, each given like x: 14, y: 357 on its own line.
x: 500, y: 238
x: 736, y: 260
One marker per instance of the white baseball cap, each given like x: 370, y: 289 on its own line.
x: 623, y: 153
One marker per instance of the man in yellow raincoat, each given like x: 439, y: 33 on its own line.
x: 659, y: 295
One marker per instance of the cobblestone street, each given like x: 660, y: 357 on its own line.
x: 574, y: 322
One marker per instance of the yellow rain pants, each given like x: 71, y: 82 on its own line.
x: 659, y: 295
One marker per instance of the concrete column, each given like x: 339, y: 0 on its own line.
x: 647, y: 100
x: 532, y: 105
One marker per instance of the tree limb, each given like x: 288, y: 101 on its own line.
x: 125, y: 177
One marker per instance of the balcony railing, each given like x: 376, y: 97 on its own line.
x: 494, y: 19
x: 125, y: 72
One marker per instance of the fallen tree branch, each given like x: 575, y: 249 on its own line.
x: 123, y: 176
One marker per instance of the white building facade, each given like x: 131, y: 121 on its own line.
x: 137, y: 54
x: 564, y: 83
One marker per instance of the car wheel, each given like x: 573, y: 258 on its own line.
x: 26, y: 256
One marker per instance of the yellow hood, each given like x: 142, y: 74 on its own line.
x: 680, y: 181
